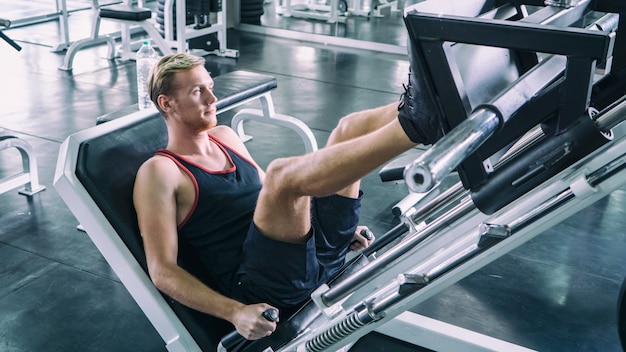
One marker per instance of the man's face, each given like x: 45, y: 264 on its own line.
x: 193, y: 102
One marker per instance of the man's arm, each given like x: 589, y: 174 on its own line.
x: 155, y: 197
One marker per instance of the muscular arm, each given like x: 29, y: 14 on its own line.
x: 156, y: 198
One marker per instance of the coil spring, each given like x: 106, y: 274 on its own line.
x: 334, y: 334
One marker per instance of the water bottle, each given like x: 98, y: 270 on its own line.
x: 146, y: 58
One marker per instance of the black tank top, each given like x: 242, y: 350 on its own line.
x: 217, y: 224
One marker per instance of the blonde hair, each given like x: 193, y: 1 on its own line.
x: 160, y: 80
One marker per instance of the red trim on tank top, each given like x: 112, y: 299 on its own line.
x: 166, y: 153
x: 214, y: 172
x: 171, y: 155
x: 224, y: 145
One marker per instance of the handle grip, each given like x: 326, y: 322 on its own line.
x: 233, y: 339
x: 367, y: 234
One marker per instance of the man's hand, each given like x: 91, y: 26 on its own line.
x: 251, y: 324
x: 362, y: 238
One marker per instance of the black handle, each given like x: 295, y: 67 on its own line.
x: 270, y: 314
x: 234, y: 340
x: 367, y: 234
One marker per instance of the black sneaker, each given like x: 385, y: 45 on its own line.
x: 417, y: 113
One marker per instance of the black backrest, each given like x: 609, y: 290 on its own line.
x: 106, y: 167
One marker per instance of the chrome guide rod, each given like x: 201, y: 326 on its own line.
x: 445, y: 155
x: 361, y: 277
x: 593, y: 179
x: 612, y: 115
x: 419, y: 212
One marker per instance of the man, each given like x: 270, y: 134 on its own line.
x: 268, y: 239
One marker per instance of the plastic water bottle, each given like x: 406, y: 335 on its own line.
x: 146, y: 58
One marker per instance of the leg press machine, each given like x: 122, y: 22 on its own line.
x: 531, y: 92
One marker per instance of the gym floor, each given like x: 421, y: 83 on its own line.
x: 558, y: 292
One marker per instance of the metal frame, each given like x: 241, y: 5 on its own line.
x: 29, y: 176
x: 185, y: 33
x: 94, y: 39
x: 440, y: 336
x: 164, y: 43
x: 269, y: 116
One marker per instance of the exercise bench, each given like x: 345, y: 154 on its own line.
x: 126, y: 15
x: 129, y: 15
x: 237, y: 88
x: 98, y: 190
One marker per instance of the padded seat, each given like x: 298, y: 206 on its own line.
x: 125, y: 12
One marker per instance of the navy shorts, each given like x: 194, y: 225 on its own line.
x: 284, y: 274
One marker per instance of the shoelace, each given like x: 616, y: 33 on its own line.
x: 406, y: 95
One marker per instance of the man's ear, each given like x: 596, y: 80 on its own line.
x: 164, y: 102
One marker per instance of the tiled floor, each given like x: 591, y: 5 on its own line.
x: 558, y: 292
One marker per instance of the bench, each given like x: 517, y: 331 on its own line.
x: 131, y: 15
x: 99, y: 194
x: 237, y: 88
x: 124, y: 14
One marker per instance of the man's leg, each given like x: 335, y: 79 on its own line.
x: 359, y: 124
x: 353, y: 151
x: 336, y: 217
x: 362, y: 142
x: 283, y: 263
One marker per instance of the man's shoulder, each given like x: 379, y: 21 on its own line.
x: 157, y: 165
x: 223, y: 132
x: 227, y: 136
